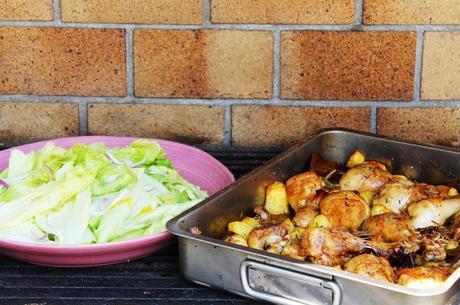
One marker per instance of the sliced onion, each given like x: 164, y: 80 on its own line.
x: 4, y: 183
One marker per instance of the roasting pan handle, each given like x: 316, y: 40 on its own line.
x: 273, y: 297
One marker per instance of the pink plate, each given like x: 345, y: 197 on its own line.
x: 193, y: 164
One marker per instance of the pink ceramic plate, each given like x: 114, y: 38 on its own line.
x: 193, y: 164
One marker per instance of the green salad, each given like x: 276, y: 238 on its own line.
x: 90, y: 194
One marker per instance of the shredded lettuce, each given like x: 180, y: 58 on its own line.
x: 91, y: 193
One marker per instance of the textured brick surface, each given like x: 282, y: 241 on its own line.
x: 137, y: 11
x: 282, y: 11
x: 33, y: 10
x: 47, y: 61
x: 205, y: 63
x: 441, y: 66
x: 425, y: 125
x: 188, y: 124
x: 412, y: 11
x: 28, y: 122
x: 348, y: 65
x: 276, y: 126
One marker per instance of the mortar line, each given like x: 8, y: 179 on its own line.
x: 57, y: 12
x: 247, y: 27
x: 418, y: 66
x: 276, y: 64
x: 229, y: 102
x: 83, y: 117
x: 358, y: 12
x: 129, y: 49
x: 373, y: 122
x: 228, y: 125
x: 206, y: 12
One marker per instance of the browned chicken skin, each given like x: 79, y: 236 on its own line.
x: 419, y: 277
x: 345, y: 209
x: 330, y: 246
x: 305, y: 215
x: 390, y: 227
x: 272, y: 238
x: 395, y: 194
x: 302, y: 188
x: 372, y: 266
x: 433, y: 211
x: 367, y: 177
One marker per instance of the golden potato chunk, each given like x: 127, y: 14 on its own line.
x: 276, y: 202
x: 356, y: 159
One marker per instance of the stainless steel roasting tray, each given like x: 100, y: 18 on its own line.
x: 207, y: 260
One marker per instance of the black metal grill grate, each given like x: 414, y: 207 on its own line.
x: 152, y: 280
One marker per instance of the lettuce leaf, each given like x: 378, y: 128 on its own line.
x: 91, y: 193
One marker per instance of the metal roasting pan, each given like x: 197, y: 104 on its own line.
x: 207, y: 260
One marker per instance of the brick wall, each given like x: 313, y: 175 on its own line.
x: 245, y: 73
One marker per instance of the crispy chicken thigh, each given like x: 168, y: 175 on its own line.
x: 433, y: 211
x: 390, y: 227
x: 302, y: 188
x: 305, y: 215
x: 395, y: 194
x: 372, y: 266
x: 269, y: 237
x: 367, y: 177
x: 345, y: 209
x: 330, y: 246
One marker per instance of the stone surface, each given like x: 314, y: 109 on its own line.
x: 281, y: 126
x: 441, y: 66
x: 412, y: 11
x: 33, y: 10
x: 138, y: 11
x: 203, y: 63
x: 183, y: 123
x: 425, y: 125
x: 348, y: 65
x: 283, y: 11
x: 29, y: 122
x: 49, y: 61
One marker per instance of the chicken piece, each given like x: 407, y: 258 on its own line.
x: 423, y: 277
x: 434, y: 242
x: 367, y: 177
x: 398, y: 192
x: 302, y: 188
x: 345, y: 209
x: 432, y: 211
x: 390, y: 227
x: 331, y: 246
x: 423, y: 191
x: 395, y: 194
x: 304, y: 216
x: 378, y: 268
x: 272, y: 238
